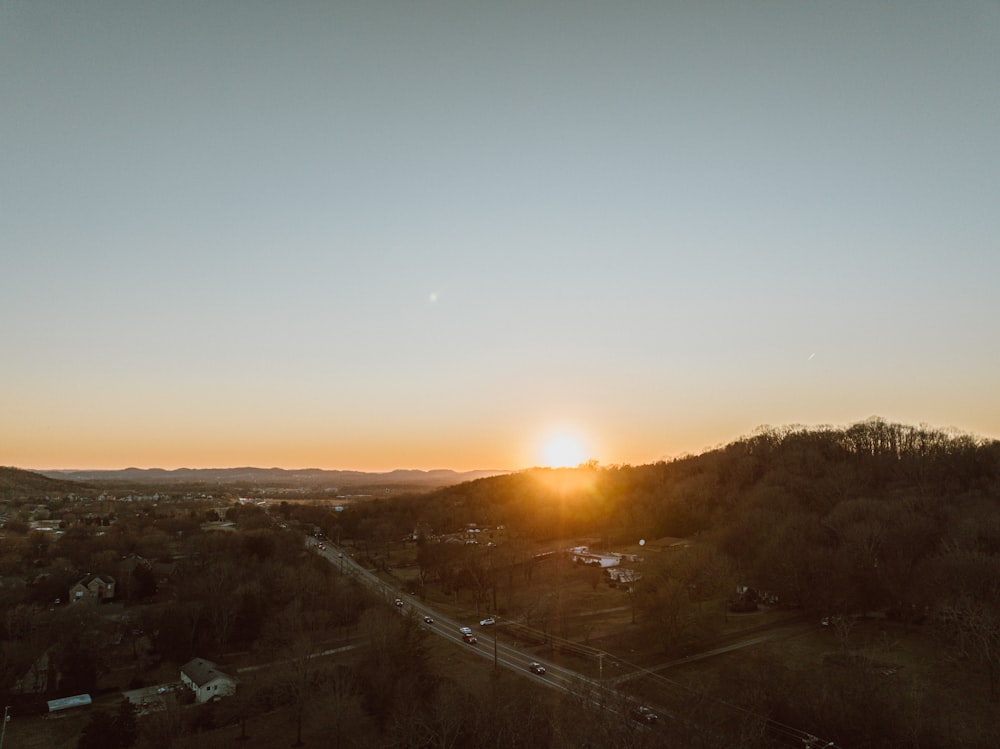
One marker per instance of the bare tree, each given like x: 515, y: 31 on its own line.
x: 341, y: 705
x: 297, y: 666
x: 221, y: 583
x: 975, y: 625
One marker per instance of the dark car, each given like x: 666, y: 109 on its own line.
x: 643, y: 714
x: 428, y: 620
x: 471, y: 639
x: 536, y: 668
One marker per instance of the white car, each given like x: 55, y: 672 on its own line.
x: 465, y: 630
x: 643, y: 714
x: 487, y: 621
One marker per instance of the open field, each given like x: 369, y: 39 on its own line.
x: 936, y: 695
x: 37, y: 732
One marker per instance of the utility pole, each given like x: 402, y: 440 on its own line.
x: 600, y: 671
x: 6, y: 718
x: 494, y: 647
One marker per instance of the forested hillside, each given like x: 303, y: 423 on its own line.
x: 875, y: 517
x: 16, y: 483
x: 819, y: 485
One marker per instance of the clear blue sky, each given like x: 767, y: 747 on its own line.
x: 422, y: 234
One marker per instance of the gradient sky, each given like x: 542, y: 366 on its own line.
x: 377, y: 235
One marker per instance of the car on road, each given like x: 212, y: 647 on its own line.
x: 465, y: 630
x: 469, y: 638
x: 536, y: 668
x: 643, y: 714
x: 322, y: 547
x: 398, y: 602
x: 488, y: 621
x: 428, y: 620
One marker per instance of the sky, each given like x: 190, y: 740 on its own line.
x: 377, y: 235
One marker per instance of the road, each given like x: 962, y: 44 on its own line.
x: 488, y: 646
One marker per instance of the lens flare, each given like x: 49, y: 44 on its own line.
x: 564, y: 450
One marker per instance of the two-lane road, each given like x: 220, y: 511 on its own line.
x: 488, y: 645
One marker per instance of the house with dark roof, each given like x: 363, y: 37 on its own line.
x: 207, y: 680
x: 93, y: 589
x: 129, y: 564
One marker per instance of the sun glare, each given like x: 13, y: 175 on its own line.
x: 563, y: 451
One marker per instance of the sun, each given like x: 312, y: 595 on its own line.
x: 563, y: 450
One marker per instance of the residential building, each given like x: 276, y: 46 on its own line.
x: 207, y: 680
x: 93, y: 589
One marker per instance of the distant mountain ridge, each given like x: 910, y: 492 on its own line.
x: 279, y: 476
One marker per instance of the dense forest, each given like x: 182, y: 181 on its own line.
x: 875, y: 516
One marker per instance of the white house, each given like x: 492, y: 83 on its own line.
x: 207, y: 680
x: 624, y: 576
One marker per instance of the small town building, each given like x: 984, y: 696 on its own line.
x: 583, y: 555
x: 93, y: 589
x: 207, y: 680
x: 624, y: 576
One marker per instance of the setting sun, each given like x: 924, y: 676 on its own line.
x: 563, y: 450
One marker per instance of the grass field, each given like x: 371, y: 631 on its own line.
x: 36, y: 732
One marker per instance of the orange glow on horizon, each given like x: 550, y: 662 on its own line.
x: 563, y: 481
x: 563, y: 449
